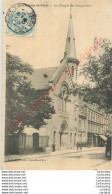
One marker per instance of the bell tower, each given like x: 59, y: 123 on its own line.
x: 70, y: 52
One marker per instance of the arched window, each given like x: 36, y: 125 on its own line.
x: 64, y: 95
x: 64, y: 126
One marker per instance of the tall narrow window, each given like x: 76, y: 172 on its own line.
x: 65, y: 106
x: 62, y: 104
x: 76, y: 73
x: 72, y: 71
x: 71, y: 138
x: 54, y: 136
x: 64, y: 96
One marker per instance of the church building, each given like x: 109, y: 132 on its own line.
x: 69, y: 124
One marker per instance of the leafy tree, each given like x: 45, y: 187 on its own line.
x: 16, y: 81
x: 20, y: 95
x: 98, y: 73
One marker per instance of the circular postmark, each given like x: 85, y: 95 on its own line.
x: 20, y: 18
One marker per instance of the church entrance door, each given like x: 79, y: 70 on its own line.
x: 64, y: 135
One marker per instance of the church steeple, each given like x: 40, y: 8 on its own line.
x: 70, y: 53
x: 69, y: 60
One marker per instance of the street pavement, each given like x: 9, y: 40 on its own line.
x: 85, y: 159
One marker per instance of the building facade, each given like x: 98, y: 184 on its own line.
x: 97, y: 125
x: 109, y: 131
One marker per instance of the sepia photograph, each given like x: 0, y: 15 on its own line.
x: 57, y: 85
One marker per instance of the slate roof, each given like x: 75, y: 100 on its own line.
x: 41, y: 77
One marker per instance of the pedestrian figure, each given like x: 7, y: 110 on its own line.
x: 80, y: 146
x: 77, y: 145
x: 53, y: 147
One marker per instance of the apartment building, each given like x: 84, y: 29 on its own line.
x: 97, y: 125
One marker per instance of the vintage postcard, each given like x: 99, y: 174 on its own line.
x: 57, y: 85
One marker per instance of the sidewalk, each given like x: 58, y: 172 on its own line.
x: 10, y: 158
x: 105, y: 166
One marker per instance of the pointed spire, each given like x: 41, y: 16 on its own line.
x: 70, y: 53
x: 70, y: 12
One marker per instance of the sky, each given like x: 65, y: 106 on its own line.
x: 46, y: 47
